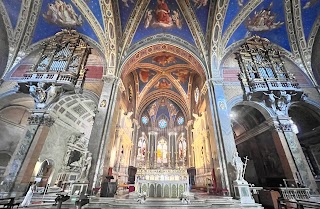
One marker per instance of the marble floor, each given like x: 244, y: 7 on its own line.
x: 124, y: 201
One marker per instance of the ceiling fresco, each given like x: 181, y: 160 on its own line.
x: 267, y: 21
x: 234, y: 8
x: 145, y: 75
x: 310, y: 11
x: 162, y: 107
x: 201, y: 9
x: 13, y: 8
x: 125, y: 8
x: 56, y: 15
x: 94, y: 5
x: 163, y: 16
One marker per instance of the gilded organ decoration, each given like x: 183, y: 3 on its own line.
x: 60, y: 68
x: 264, y: 77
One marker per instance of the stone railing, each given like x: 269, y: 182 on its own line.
x: 295, y: 193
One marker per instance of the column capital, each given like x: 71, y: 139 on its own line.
x: 281, y: 123
x: 109, y: 78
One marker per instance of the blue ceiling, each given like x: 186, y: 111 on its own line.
x: 273, y: 11
x: 278, y: 35
x: 44, y: 29
x: 13, y: 9
x: 155, y: 28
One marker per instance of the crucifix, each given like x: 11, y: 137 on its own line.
x: 245, y: 166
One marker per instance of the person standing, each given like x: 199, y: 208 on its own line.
x: 27, y: 199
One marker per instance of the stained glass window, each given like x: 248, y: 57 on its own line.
x: 162, y: 123
x: 180, y: 120
x: 145, y: 120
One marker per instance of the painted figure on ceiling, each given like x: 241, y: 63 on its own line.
x: 310, y: 4
x: 62, y: 14
x: 163, y: 13
x: 164, y: 60
x: 145, y: 74
x: 200, y: 3
x: 263, y: 20
x: 162, y: 16
x: 163, y: 84
x: 182, y: 75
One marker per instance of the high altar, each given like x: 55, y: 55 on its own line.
x: 169, y: 183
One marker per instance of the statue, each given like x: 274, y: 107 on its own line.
x: 237, y: 162
x: 271, y: 99
x: 52, y: 93
x: 86, y: 167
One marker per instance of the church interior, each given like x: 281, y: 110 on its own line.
x: 161, y: 99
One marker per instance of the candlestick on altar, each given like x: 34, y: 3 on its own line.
x: 169, y: 163
x: 176, y: 159
x: 148, y: 160
x: 155, y: 158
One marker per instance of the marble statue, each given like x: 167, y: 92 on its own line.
x: 52, y: 93
x: 86, y: 167
x: 237, y: 162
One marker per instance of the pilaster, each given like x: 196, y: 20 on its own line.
x: 223, y: 132
x: 99, y: 141
x: 302, y: 172
x: 20, y: 168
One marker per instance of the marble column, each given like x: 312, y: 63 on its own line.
x: 304, y: 174
x: 134, y: 151
x: 223, y: 133
x: 190, y: 154
x: 21, y: 166
x: 100, y: 138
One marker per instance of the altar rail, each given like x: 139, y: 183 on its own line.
x: 167, y: 189
x: 295, y: 193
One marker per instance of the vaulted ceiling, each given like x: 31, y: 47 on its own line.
x: 211, y: 27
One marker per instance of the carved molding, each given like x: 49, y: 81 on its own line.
x: 40, y: 119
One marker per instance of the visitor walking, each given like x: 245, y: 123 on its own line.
x: 27, y: 199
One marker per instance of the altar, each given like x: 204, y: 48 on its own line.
x: 167, y: 183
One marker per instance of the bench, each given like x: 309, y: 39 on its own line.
x: 8, y: 202
x: 297, y: 204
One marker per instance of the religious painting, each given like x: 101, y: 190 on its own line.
x: 62, y: 14
x: 162, y: 16
x: 310, y: 3
x: 164, y: 60
x: 263, y: 20
x: 141, y: 148
x: 182, y: 149
x: 145, y: 74
x: 162, y: 150
x: 153, y: 109
x: 163, y: 84
x: 182, y: 75
x: 199, y: 3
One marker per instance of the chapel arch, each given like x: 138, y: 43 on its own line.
x: 162, y: 86
x: 305, y: 120
x: 254, y: 137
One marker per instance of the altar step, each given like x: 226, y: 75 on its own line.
x: 157, y: 203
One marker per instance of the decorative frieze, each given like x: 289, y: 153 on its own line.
x: 40, y: 119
